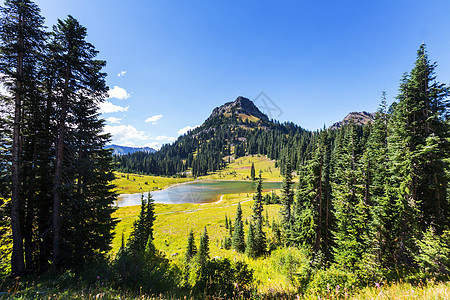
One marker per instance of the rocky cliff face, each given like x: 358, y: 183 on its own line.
x: 358, y: 118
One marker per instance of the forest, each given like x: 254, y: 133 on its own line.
x: 363, y: 203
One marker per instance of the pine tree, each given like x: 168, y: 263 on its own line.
x: 226, y: 221
x: 287, y: 199
x: 376, y: 158
x: 142, y: 232
x: 418, y: 145
x: 203, y: 249
x: 257, y: 221
x: 252, y: 172
x: 251, y: 247
x: 138, y: 238
x: 238, y: 233
x: 352, y: 214
x: 191, y: 249
x: 313, y: 217
x: 22, y: 37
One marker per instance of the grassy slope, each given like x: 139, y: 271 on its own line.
x: 240, y: 168
x: 173, y: 223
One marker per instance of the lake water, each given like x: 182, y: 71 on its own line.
x: 196, y: 192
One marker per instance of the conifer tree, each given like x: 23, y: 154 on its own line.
x: 313, y: 216
x: 203, y: 249
x: 143, y: 227
x: 22, y: 37
x: 376, y: 158
x: 138, y: 237
x: 81, y: 86
x: 191, y: 249
x: 238, y: 240
x: 418, y: 145
x: 352, y: 214
x: 252, y: 172
x: 257, y: 221
x: 251, y: 247
x: 287, y: 199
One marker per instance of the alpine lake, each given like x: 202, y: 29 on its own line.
x: 202, y: 191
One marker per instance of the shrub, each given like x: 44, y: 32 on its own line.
x: 332, y: 280
x: 219, y: 277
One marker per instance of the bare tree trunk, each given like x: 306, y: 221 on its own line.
x: 17, y: 259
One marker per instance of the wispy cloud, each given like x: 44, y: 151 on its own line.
x: 165, y: 138
x: 118, y: 93
x: 154, y: 119
x: 121, y: 73
x: 113, y: 120
x: 107, y: 107
x: 186, y: 129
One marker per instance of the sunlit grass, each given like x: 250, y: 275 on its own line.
x: 240, y: 169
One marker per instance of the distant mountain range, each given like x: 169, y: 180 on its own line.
x: 121, y: 150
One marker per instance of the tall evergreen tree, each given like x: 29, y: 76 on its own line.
x: 253, y: 172
x: 287, y: 200
x: 251, y: 246
x: 191, y: 249
x: 203, y: 249
x: 257, y: 220
x: 376, y: 158
x: 143, y: 226
x: 352, y: 214
x: 81, y: 86
x: 22, y: 37
x: 418, y: 145
x: 238, y: 240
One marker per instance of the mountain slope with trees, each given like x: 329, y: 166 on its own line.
x: 234, y: 129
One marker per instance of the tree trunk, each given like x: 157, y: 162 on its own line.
x: 58, y: 173
x: 17, y: 259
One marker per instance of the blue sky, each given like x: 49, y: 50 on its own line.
x: 316, y: 60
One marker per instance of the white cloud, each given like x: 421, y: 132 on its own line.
x: 108, y: 107
x: 121, y: 73
x: 113, y: 120
x: 123, y: 134
x: 154, y: 145
x: 186, y: 129
x: 118, y: 93
x: 165, y: 138
x: 154, y: 119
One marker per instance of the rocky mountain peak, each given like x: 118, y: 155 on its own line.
x: 240, y: 106
x: 358, y: 118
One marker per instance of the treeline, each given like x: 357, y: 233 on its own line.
x: 54, y: 166
x: 202, y: 150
